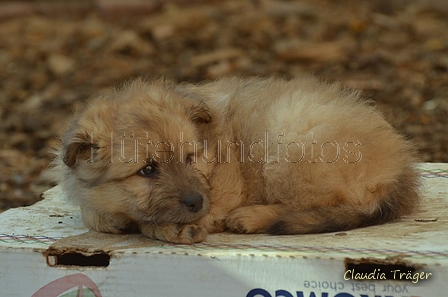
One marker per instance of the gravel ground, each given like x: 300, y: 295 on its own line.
x: 54, y: 56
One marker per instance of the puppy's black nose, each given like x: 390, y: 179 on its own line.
x: 193, y: 202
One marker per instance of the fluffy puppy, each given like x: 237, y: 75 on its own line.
x: 245, y: 155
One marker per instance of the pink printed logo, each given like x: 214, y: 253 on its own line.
x: 64, y: 287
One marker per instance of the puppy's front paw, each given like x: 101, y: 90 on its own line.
x: 189, y: 234
x: 175, y: 233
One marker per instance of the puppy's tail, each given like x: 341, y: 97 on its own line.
x: 394, y: 200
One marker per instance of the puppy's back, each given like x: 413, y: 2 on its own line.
x: 320, y: 150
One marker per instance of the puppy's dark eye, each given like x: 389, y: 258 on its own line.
x: 148, y: 171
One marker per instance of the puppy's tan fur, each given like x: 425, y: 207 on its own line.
x: 247, y: 155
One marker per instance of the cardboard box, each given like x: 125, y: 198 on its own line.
x: 46, y: 251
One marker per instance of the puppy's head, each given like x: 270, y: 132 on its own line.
x: 132, y: 153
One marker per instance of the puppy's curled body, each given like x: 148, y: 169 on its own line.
x: 246, y: 155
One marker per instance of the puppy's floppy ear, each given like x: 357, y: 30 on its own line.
x: 200, y: 114
x: 194, y: 103
x: 79, y: 147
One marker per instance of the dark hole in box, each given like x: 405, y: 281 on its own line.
x: 75, y: 259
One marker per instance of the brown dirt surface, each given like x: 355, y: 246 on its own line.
x: 54, y: 56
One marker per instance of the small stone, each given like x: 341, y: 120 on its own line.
x: 33, y: 102
x: 163, y: 31
x: 430, y: 105
x: 60, y: 64
x: 130, y: 41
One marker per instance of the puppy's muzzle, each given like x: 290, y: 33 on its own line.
x: 193, y: 202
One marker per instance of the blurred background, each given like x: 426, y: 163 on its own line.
x: 55, y: 54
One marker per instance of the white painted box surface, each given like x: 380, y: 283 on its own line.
x: 46, y: 251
